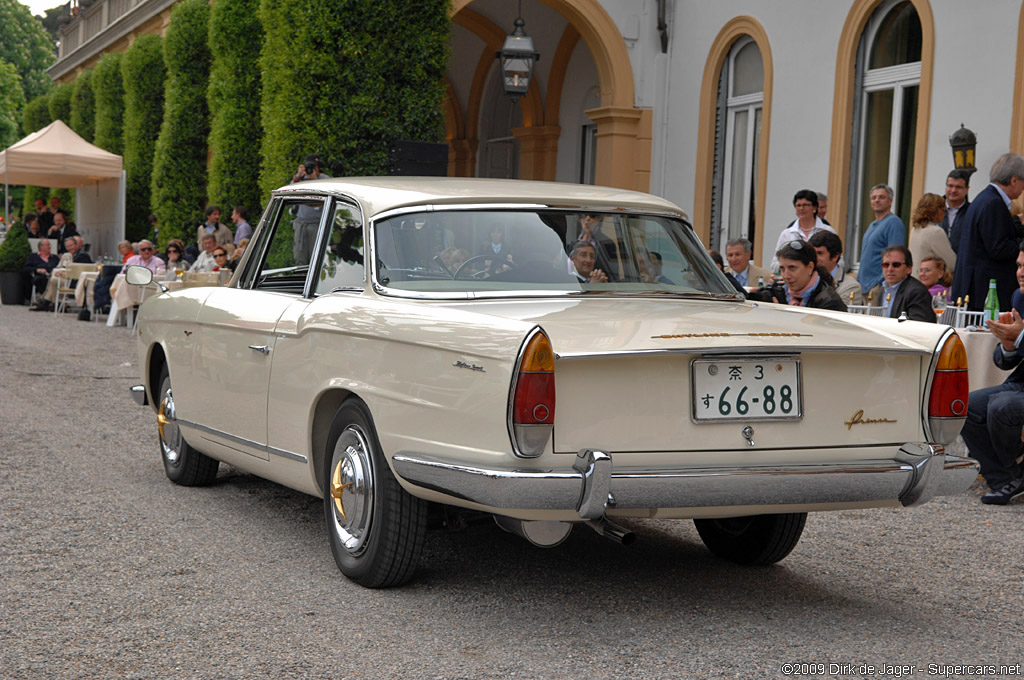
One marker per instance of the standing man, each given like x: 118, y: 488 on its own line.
x: 44, y: 215
x: 887, y: 230
x: 829, y: 249
x: 307, y: 217
x: 901, y: 291
x: 213, y: 226
x: 958, y: 182
x: 240, y: 216
x: 822, y: 207
x: 990, y: 241
x: 738, y: 252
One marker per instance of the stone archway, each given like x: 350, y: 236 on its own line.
x: 623, y: 131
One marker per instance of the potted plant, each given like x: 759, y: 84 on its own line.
x: 14, y: 250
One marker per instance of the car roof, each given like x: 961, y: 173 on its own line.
x: 381, y: 194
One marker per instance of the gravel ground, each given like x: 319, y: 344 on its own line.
x: 108, y: 570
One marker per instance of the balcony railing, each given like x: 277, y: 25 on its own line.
x: 90, y: 21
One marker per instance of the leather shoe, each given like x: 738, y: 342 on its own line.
x: 41, y: 306
x: 1003, y: 494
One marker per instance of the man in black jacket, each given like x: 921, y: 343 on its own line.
x: 958, y: 183
x: 901, y: 291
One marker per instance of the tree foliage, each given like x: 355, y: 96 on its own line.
x: 25, y: 44
x: 83, y: 106
x: 108, y: 87
x: 234, y: 99
x: 346, y: 78
x: 12, y: 103
x: 142, y: 69
x: 179, y: 168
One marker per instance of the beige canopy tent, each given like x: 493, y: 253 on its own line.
x: 57, y: 157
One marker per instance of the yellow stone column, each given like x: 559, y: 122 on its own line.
x: 622, y: 149
x: 538, y: 151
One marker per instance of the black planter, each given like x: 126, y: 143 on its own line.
x: 11, y: 292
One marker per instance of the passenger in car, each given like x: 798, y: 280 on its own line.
x: 583, y: 257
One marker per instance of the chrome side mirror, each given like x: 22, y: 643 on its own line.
x: 138, y: 276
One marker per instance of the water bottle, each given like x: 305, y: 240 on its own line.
x: 992, y: 302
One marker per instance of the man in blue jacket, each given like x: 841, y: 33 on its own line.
x: 990, y: 240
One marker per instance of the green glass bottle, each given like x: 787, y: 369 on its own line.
x: 992, y: 302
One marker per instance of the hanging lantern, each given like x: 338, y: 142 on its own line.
x: 517, y: 58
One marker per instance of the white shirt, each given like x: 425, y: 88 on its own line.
x: 204, y: 263
x: 794, y: 232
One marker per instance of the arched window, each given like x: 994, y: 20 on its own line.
x: 737, y: 141
x: 888, y: 83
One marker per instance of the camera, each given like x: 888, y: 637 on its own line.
x: 774, y: 292
x: 310, y: 168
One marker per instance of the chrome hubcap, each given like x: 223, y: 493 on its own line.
x: 351, y: 489
x: 170, y: 435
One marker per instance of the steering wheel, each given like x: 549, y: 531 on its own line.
x: 483, y: 257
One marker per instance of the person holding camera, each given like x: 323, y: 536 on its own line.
x: 307, y: 217
x: 806, y: 284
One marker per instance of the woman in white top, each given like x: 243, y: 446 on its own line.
x: 807, y: 223
x: 927, y: 239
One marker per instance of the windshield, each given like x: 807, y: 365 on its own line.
x: 484, y: 251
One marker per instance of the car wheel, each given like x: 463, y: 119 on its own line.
x: 754, y: 540
x: 183, y: 464
x: 376, y: 528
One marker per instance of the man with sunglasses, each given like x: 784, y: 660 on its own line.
x: 902, y: 292
x: 145, y: 258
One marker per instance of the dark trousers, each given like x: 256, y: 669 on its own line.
x: 995, y: 417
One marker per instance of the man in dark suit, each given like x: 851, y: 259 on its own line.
x: 958, y: 183
x: 995, y: 415
x: 990, y: 241
x: 62, y: 231
x: 901, y: 291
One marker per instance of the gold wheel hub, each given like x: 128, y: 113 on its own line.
x: 338, y: 490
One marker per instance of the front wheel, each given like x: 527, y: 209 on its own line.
x: 183, y: 464
x: 376, y: 528
x: 756, y: 540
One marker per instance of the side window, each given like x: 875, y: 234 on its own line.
x: 342, y: 264
x: 287, y: 254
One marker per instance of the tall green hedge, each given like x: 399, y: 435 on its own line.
x: 179, y: 167
x: 83, y: 106
x: 60, y: 103
x: 35, y: 117
x: 346, y: 78
x: 142, y: 68
x: 108, y: 86
x: 234, y: 97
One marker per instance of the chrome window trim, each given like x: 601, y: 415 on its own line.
x: 289, y: 455
x: 248, y: 275
x: 379, y: 289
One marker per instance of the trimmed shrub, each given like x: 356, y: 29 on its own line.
x: 346, y: 78
x: 234, y: 98
x: 25, y: 43
x: 83, y: 106
x: 142, y: 69
x: 14, y: 250
x: 35, y: 117
x: 60, y: 103
x: 179, y: 167
x: 108, y: 86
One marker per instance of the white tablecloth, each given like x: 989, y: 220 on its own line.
x: 982, y: 370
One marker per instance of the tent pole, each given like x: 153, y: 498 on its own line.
x: 7, y: 202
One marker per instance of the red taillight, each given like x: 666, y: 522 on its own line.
x: 950, y: 387
x: 532, y: 413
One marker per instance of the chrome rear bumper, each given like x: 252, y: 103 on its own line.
x: 914, y: 475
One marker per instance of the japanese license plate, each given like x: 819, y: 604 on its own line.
x: 746, y: 389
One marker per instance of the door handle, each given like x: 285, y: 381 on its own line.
x: 263, y: 349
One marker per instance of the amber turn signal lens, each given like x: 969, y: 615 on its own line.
x: 538, y: 357
x: 953, y: 356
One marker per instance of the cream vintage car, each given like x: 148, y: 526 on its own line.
x: 393, y: 345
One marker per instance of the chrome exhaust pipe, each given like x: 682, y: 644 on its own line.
x: 613, y: 532
x: 542, y: 533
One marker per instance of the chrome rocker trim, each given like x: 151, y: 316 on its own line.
x: 915, y: 474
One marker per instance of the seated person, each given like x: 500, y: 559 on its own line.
x: 829, y: 248
x: 205, y: 261
x: 73, y: 254
x: 583, y: 257
x: 220, y: 259
x: 37, y: 269
x: 125, y: 249
x: 175, y: 259
x: 453, y: 259
x: 904, y: 293
x: 807, y: 283
x: 604, y: 246
x: 934, y: 275
x: 146, y: 258
x: 236, y: 257
x: 720, y: 263
x: 32, y: 226
x: 656, y: 264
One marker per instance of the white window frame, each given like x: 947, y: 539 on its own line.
x: 750, y: 103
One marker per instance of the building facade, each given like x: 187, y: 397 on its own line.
x: 726, y: 108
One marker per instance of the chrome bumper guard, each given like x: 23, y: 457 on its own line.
x: 917, y: 473
x: 139, y: 394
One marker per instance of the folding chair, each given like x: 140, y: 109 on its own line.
x: 65, y: 287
